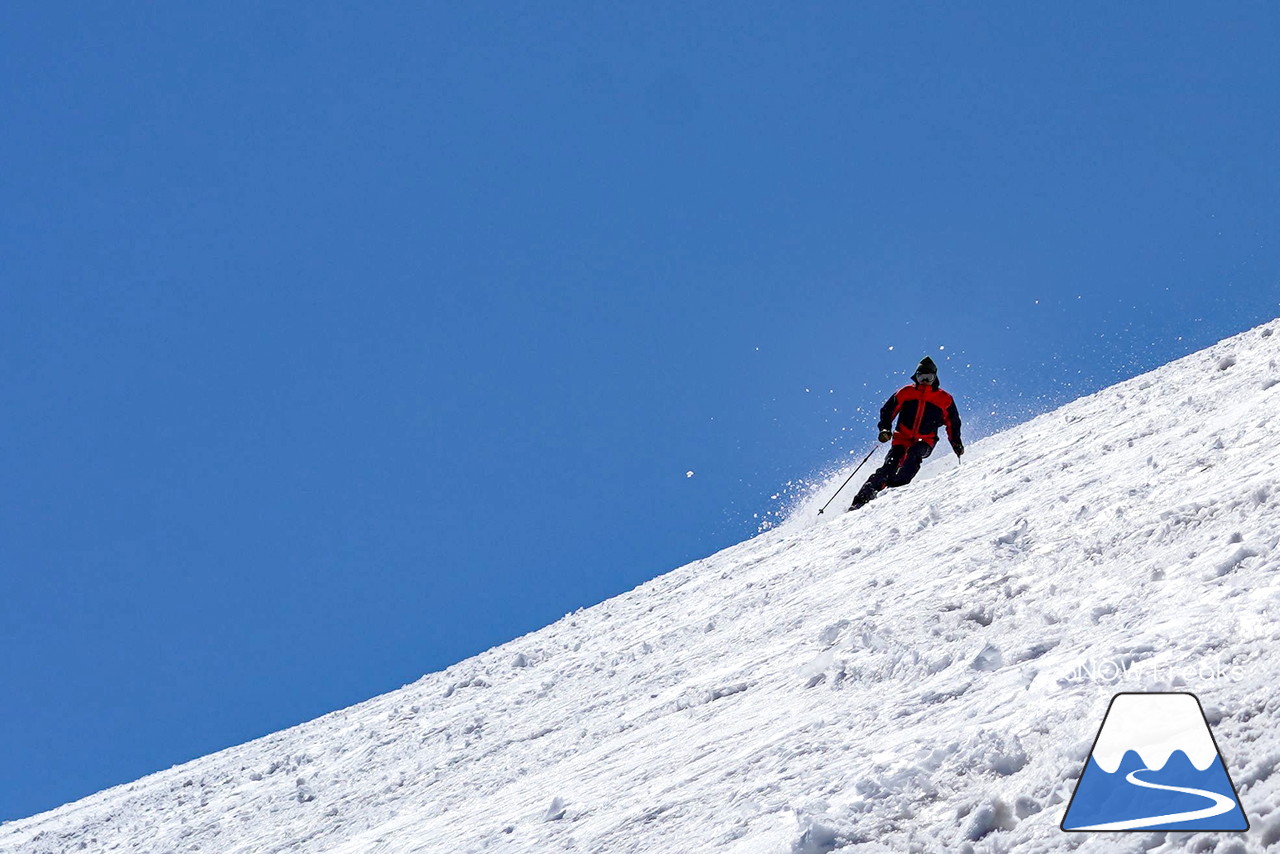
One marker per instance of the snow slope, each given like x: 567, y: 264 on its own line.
x: 925, y: 675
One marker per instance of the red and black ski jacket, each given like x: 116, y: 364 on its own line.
x: 920, y: 410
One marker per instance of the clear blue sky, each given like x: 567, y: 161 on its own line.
x: 344, y: 341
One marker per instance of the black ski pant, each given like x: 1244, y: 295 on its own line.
x: 900, y: 466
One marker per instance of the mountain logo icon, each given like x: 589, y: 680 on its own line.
x: 1155, y: 766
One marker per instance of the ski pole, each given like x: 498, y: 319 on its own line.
x: 849, y: 478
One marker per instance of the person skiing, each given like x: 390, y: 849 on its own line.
x: 921, y: 408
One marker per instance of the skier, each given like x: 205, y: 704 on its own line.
x: 921, y: 408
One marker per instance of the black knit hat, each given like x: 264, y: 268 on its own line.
x: 926, y: 366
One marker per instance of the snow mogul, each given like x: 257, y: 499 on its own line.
x: 921, y: 408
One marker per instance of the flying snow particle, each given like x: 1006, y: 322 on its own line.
x: 688, y: 473
x: 890, y: 346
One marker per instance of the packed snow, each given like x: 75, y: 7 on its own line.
x: 925, y: 675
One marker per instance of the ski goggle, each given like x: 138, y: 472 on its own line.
x: 927, y: 379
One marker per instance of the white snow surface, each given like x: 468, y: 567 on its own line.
x: 1154, y: 726
x: 927, y: 674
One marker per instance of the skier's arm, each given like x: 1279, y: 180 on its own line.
x: 888, y: 411
x: 952, y: 420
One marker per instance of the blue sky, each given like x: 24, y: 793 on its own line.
x: 341, y: 344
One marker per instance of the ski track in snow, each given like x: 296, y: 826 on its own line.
x: 925, y: 675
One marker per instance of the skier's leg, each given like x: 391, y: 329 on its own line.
x: 879, y: 477
x: 910, y: 465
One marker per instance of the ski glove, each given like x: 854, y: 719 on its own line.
x: 958, y: 447
x: 884, y: 435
